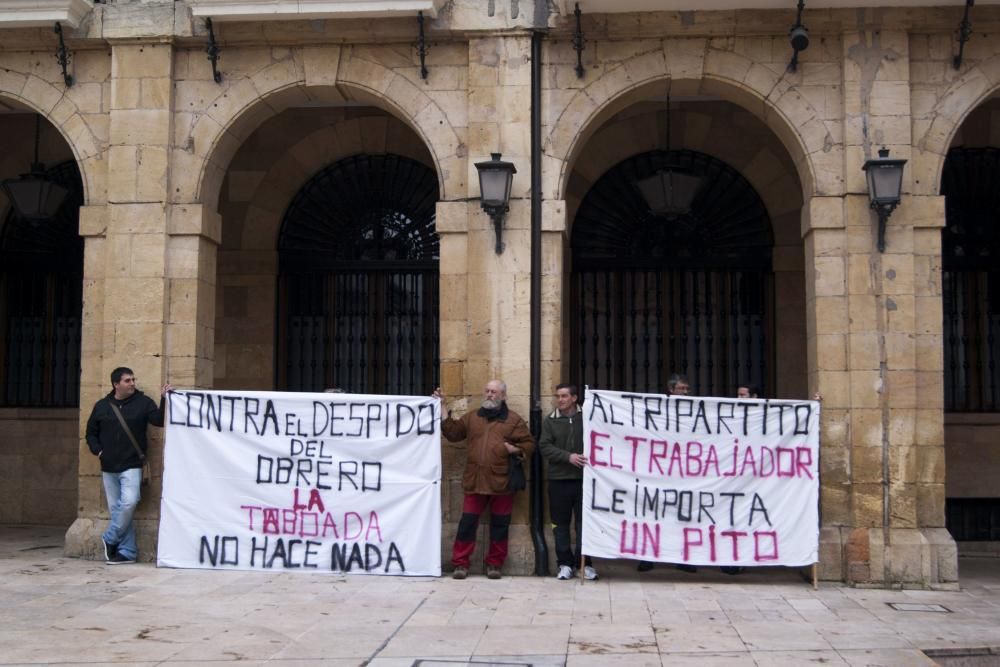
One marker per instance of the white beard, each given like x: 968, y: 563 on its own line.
x: 490, y: 404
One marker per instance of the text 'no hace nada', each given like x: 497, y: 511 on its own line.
x: 337, y: 418
x: 280, y: 553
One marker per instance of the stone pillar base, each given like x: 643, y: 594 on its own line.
x: 83, y: 539
x: 913, y: 558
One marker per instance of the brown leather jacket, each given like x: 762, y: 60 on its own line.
x: 487, y: 459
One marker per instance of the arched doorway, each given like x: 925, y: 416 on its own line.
x: 358, y: 285
x: 41, y: 280
x: 970, y: 248
x: 41, y: 285
x: 676, y: 290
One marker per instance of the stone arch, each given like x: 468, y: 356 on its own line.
x: 243, y: 102
x: 59, y: 107
x: 694, y: 68
x: 308, y: 156
x: 935, y: 130
x: 708, y: 127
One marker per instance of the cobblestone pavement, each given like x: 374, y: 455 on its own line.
x: 65, y: 611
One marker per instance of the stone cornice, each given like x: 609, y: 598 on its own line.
x: 626, y: 6
x: 285, y: 10
x: 35, y: 13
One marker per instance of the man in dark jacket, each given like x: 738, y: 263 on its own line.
x: 561, y: 444
x: 121, y: 464
x: 494, y: 433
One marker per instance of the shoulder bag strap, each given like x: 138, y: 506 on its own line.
x: 128, y: 431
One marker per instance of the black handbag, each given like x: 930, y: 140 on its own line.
x: 515, y: 474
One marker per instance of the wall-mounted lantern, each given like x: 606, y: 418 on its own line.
x: 34, y: 196
x: 885, y: 183
x: 495, y: 180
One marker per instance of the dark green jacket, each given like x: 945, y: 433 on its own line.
x: 562, y: 436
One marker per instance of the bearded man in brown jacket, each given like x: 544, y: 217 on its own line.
x: 493, y: 432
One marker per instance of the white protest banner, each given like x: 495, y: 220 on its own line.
x: 302, y: 482
x: 703, y: 481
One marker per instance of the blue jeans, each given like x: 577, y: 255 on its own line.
x: 122, y: 491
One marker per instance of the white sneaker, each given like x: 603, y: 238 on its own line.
x: 565, y: 572
x: 589, y: 573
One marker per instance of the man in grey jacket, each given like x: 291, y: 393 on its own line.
x: 562, y: 446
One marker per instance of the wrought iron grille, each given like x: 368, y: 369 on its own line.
x: 359, y: 279
x: 973, y: 519
x: 971, y: 279
x: 41, y: 282
x: 689, y: 293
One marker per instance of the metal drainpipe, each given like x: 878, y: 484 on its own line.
x: 537, y: 478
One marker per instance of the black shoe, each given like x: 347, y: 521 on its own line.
x: 730, y: 569
x: 644, y: 566
x: 110, y: 550
x: 684, y: 567
x: 119, y: 559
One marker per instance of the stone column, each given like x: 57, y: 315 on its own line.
x: 149, y: 276
x: 498, y: 288
x: 485, y: 296
x: 887, y: 389
x: 827, y: 333
x: 556, y: 290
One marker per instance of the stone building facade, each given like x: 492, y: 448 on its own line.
x: 186, y: 186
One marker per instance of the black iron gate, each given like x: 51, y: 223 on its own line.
x: 687, y: 289
x: 41, y: 299
x: 358, y: 306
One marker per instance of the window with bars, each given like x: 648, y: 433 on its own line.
x: 41, y: 300
x: 359, y: 279
x: 971, y: 279
x: 688, y: 291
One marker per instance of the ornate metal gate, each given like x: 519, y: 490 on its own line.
x: 41, y: 282
x: 359, y: 279
x: 685, y: 290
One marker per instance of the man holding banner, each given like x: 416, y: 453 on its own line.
x: 497, y: 438
x: 561, y: 444
x: 116, y: 433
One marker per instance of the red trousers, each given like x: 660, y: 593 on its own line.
x: 465, y: 539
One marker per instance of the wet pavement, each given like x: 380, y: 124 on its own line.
x: 65, y: 611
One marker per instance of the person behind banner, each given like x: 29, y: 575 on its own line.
x: 677, y: 385
x: 561, y: 443
x: 745, y: 390
x: 494, y: 433
x: 116, y: 433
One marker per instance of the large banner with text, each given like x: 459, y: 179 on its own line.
x: 703, y: 481
x: 302, y: 482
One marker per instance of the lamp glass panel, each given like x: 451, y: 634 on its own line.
x: 493, y: 186
x: 52, y: 197
x: 684, y: 188
x: 885, y: 182
x: 654, y: 191
x: 669, y: 192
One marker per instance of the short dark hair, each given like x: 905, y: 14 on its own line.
x: 573, y: 391
x: 116, y: 375
x: 675, y: 379
x: 752, y: 389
